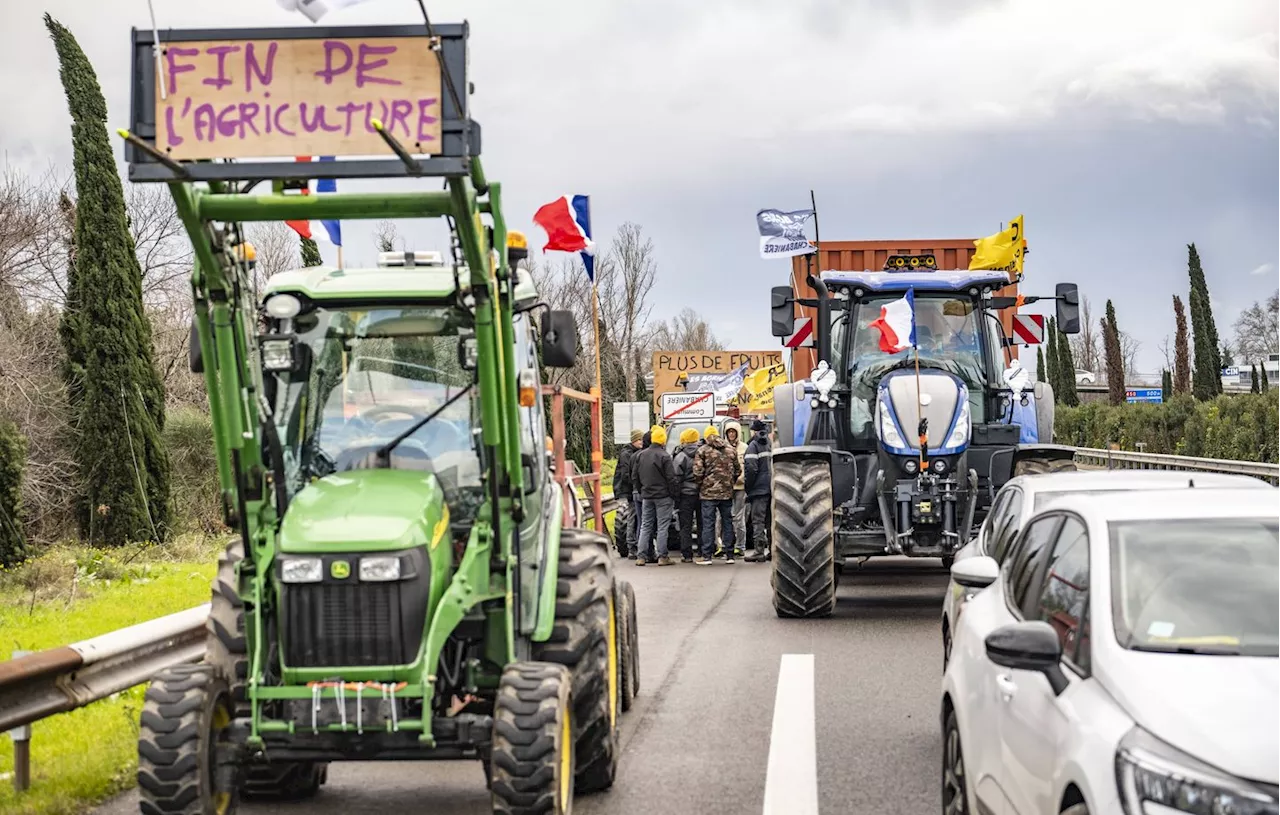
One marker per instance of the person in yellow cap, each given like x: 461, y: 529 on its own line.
x: 655, y: 472
x: 716, y: 469
x: 688, y: 506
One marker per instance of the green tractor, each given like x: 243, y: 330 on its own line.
x: 403, y: 586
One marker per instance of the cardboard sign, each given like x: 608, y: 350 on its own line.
x: 312, y: 97
x: 668, y: 365
x: 682, y: 406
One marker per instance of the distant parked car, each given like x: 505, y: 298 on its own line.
x: 1085, y: 378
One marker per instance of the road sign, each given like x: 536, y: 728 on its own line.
x: 1144, y: 395
x: 802, y: 337
x: 628, y: 416
x: 1028, y: 329
x: 694, y: 406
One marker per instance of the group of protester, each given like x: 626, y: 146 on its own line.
x: 708, y: 483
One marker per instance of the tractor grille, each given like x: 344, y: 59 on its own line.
x: 349, y: 623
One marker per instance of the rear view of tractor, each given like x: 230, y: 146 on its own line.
x: 403, y: 586
x: 896, y: 445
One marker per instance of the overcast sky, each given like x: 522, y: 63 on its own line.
x: 1121, y: 129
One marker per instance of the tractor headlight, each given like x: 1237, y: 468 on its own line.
x: 277, y: 353
x: 1156, y: 777
x: 888, y: 430
x: 301, y: 570
x: 960, y: 433
x: 911, y: 465
x: 379, y: 569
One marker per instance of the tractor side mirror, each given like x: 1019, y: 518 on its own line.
x: 782, y: 314
x: 559, y: 339
x: 194, y: 356
x: 1068, y: 299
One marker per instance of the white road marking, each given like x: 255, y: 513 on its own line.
x: 791, y: 785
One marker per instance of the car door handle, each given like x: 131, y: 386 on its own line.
x: 1006, y: 685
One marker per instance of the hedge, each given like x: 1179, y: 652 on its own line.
x: 1241, y: 427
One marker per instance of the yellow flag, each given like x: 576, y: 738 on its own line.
x: 759, y: 386
x: 1003, y: 251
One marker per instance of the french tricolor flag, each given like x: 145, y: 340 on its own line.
x: 567, y: 222
x: 332, y: 230
x: 897, y: 324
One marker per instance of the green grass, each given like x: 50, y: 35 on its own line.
x: 70, y: 594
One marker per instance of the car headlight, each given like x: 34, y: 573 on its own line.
x: 888, y: 430
x: 1158, y: 779
x: 379, y: 569
x: 301, y: 570
x: 960, y: 433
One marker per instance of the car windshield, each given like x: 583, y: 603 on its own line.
x: 367, y: 377
x: 950, y: 338
x: 1196, y: 586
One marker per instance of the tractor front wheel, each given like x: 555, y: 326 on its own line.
x: 1040, y: 466
x: 585, y: 640
x: 183, y: 740
x: 624, y: 599
x: 804, y: 562
x: 532, y: 761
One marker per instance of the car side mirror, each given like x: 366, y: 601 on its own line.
x: 559, y: 339
x: 1068, y: 300
x: 1031, y: 645
x: 782, y: 311
x: 195, y: 358
x: 976, y: 572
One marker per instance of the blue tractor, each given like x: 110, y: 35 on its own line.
x: 885, y: 452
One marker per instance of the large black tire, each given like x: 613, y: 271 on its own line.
x: 532, y: 762
x: 633, y: 638
x: 1040, y: 466
x: 622, y: 602
x: 585, y: 640
x: 226, y: 651
x: 186, y: 713
x: 804, y: 562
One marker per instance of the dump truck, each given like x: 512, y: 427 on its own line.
x: 899, y: 453
x: 402, y: 585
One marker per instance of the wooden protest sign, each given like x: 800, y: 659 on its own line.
x: 297, y: 97
x: 668, y: 365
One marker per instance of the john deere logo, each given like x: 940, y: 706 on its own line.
x: 340, y: 569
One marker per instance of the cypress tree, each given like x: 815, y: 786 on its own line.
x: 1253, y: 379
x: 1182, y: 350
x: 311, y: 253
x: 1263, y: 385
x: 1040, y: 371
x: 118, y: 403
x: 1166, y: 384
x: 1206, y: 377
x: 1067, y: 371
x: 1115, y: 361
x: 1051, y: 360
x: 13, y: 457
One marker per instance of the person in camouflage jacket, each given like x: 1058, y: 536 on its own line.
x: 716, y: 469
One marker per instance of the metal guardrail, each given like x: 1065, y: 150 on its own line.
x: 1127, y: 460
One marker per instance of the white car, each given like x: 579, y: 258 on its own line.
x: 1124, y: 661
x: 1085, y: 378
x: 1022, y: 495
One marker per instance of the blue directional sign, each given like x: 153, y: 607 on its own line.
x: 1145, y: 395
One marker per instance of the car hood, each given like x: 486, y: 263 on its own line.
x: 1219, y: 709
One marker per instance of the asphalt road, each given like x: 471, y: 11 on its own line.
x: 698, y: 738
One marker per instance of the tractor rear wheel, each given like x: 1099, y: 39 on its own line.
x: 226, y: 651
x: 186, y: 718
x: 623, y: 600
x: 532, y: 763
x: 1040, y: 466
x: 585, y: 640
x: 804, y: 562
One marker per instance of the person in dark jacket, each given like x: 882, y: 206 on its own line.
x: 689, y: 502
x: 637, y: 502
x: 626, y: 491
x: 758, y: 479
x: 656, y: 474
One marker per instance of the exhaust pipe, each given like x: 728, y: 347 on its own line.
x: 973, y: 506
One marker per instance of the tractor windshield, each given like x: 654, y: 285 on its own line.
x: 369, y: 375
x: 948, y: 334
